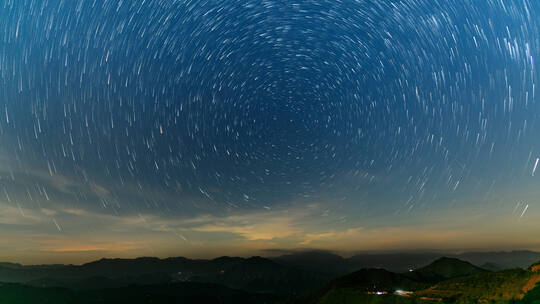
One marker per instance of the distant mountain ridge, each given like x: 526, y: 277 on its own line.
x: 326, y: 262
x: 255, y: 274
x: 318, y: 261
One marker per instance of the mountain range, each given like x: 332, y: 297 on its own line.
x: 327, y: 262
x: 303, y: 277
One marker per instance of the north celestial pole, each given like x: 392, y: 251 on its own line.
x: 207, y: 127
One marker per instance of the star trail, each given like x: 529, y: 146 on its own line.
x: 156, y: 127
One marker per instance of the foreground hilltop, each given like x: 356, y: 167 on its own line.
x: 446, y: 280
x: 443, y: 269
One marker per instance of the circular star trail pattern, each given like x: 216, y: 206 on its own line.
x: 203, y: 106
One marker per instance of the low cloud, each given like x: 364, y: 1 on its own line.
x: 71, y: 234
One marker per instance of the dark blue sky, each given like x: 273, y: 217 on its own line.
x: 190, y: 127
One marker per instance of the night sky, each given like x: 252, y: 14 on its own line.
x: 242, y: 127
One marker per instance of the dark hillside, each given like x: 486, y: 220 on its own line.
x: 444, y: 269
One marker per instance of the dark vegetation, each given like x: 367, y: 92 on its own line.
x: 533, y: 296
x: 185, y: 292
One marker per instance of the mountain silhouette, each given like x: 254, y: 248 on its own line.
x: 333, y: 264
x: 316, y: 261
x: 255, y: 274
x: 261, y: 280
x: 444, y: 268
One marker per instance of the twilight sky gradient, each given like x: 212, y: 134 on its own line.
x: 209, y: 127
